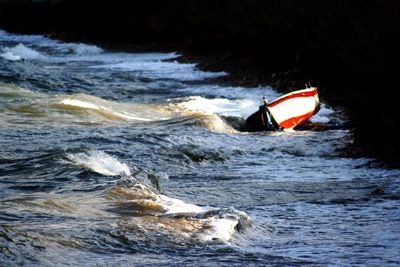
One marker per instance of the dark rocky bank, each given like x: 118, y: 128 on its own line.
x: 349, y: 49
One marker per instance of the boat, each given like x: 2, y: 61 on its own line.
x: 285, y: 112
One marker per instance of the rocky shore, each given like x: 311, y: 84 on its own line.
x: 349, y: 49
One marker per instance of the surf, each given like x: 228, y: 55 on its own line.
x: 130, y: 196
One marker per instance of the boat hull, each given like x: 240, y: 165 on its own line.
x: 288, y: 111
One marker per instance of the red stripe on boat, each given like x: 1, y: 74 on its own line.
x: 294, y: 121
x: 301, y: 94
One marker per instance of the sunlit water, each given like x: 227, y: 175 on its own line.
x: 114, y: 159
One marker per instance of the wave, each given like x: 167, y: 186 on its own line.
x: 240, y: 102
x: 164, y: 70
x: 51, y: 50
x: 11, y: 91
x: 10, y: 56
x: 213, y: 123
x: 100, y: 162
x: 219, y: 115
x: 221, y: 106
x: 77, y: 108
x: 85, y: 49
x: 176, y: 217
x: 44, y: 43
x: 324, y: 115
x: 210, y: 99
x: 24, y: 38
x: 82, y: 108
x: 110, y: 110
x: 159, y: 212
x: 20, y: 52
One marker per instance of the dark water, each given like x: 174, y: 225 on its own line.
x: 120, y: 159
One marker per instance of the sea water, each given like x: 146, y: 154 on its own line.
x: 120, y: 159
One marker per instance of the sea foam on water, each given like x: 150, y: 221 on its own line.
x: 100, y: 162
x: 210, y: 225
x: 21, y: 51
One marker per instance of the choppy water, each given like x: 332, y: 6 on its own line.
x: 115, y: 159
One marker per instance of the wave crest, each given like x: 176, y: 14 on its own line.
x: 158, y: 211
x: 100, y: 162
x: 19, y: 52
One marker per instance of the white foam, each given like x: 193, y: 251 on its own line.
x: 149, y: 65
x: 164, y: 70
x: 232, y: 92
x: 218, y: 226
x: 84, y: 49
x: 173, y: 205
x: 10, y: 56
x: 137, y: 57
x: 323, y: 115
x: 103, y: 59
x: 57, y: 51
x: 237, y: 101
x: 22, y: 38
x: 221, y: 229
x: 220, y: 106
x: 79, y: 103
x: 223, y: 225
x: 226, y: 100
x: 215, y: 124
x: 131, y: 117
x: 100, y: 162
x: 106, y: 107
x: 22, y: 52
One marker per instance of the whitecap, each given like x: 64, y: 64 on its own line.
x: 100, y: 162
x: 105, y: 108
x: 244, y: 103
x: 324, y: 114
x: 164, y: 70
x: 10, y: 56
x: 221, y: 106
x: 173, y: 205
x: 22, y: 52
x: 84, y: 49
x: 24, y: 38
x: 224, y: 226
x: 79, y: 103
x: 185, y: 219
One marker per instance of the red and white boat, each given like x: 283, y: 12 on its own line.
x: 285, y: 112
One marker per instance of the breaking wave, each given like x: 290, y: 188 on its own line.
x: 84, y: 49
x: 20, y: 52
x: 130, y: 196
x: 164, y: 70
x: 24, y: 38
x: 221, y: 106
x: 176, y: 216
x: 78, y: 108
x: 84, y: 103
x: 214, y: 123
x: 83, y: 108
x: 100, y: 162
x: 108, y: 109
